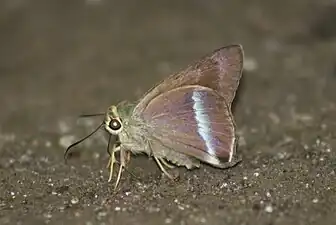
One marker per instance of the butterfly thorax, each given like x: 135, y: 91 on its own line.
x: 130, y: 128
x: 133, y: 136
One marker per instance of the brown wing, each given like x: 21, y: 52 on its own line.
x: 220, y: 71
x: 195, y: 121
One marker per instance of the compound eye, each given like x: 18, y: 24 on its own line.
x: 115, y: 124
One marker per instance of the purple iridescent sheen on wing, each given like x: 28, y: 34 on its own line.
x: 221, y: 71
x: 195, y: 121
x: 188, y: 115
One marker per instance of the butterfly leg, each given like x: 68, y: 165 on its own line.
x: 112, y: 160
x: 119, y: 176
x: 234, y: 162
x: 128, y: 157
x: 158, y: 161
x: 167, y: 164
x: 123, y: 158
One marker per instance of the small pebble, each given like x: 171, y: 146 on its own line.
x: 268, y: 194
x: 47, y: 215
x: 168, y: 220
x: 102, y: 214
x: 74, y: 201
x: 269, y: 209
x: 48, y: 144
x: 224, y: 185
x: 250, y: 64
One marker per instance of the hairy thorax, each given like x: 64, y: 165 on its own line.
x: 134, y: 136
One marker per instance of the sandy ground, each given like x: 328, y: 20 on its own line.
x: 59, y: 59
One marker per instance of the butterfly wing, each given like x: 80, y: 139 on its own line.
x: 221, y: 71
x: 192, y: 120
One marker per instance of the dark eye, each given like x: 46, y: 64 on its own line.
x: 115, y: 124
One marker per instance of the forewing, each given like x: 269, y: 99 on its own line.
x: 194, y: 121
x: 221, y: 71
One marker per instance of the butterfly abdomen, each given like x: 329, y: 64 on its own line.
x: 159, y: 150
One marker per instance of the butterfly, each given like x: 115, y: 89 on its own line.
x: 184, y: 120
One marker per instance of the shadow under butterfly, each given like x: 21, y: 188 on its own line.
x: 184, y: 120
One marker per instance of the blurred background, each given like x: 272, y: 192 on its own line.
x: 62, y: 58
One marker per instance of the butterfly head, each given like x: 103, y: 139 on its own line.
x: 113, y: 123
